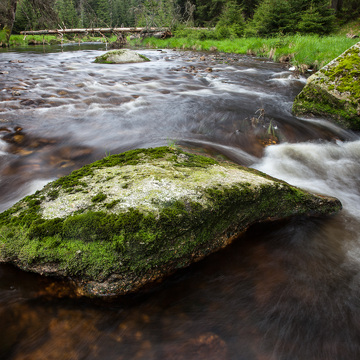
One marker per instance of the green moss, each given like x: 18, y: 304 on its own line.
x: 94, y: 244
x: 135, y: 239
x: 144, y: 57
x: 112, y: 204
x: 99, y: 198
x: 346, y: 74
x: 316, y: 101
x: 338, y: 95
x: 53, y: 194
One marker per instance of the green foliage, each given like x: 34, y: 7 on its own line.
x: 231, y: 22
x: 348, y: 10
x: 289, y: 17
x: 317, y: 20
x: 67, y: 13
x: 3, y: 36
x: 308, y: 51
x: 263, y: 17
x: 157, y: 13
x: 272, y: 17
x: 249, y: 7
x: 195, y: 34
x: 208, y: 11
x: 35, y: 15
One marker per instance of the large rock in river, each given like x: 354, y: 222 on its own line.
x: 334, y: 91
x: 121, y: 56
x: 129, y: 219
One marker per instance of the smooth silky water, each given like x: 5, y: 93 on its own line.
x: 284, y: 290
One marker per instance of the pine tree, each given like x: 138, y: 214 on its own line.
x: 317, y: 19
x: 231, y: 21
x: 67, y: 14
x: 207, y: 12
x: 272, y: 17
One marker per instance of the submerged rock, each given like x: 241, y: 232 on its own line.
x: 125, y: 221
x: 121, y: 56
x: 334, y: 91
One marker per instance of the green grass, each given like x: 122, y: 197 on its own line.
x: 2, y: 37
x: 21, y: 40
x: 302, y: 51
x: 310, y: 51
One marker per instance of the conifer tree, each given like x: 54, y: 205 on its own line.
x: 67, y: 14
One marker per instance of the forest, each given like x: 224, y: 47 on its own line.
x: 230, y: 18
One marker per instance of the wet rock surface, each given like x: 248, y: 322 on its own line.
x: 122, y: 56
x: 131, y: 219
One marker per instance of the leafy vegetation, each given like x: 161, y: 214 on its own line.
x: 230, y: 17
x: 303, y: 51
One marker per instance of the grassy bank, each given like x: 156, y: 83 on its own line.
x: 21, y: 40
x: 302, y: 51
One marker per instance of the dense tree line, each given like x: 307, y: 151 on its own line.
x: 230, y: 17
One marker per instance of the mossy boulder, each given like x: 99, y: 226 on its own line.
x: 121, y: 56
x: 334, y: 91
x: 125, y: 221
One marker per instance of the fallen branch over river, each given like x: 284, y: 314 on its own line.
x: 94, y: 30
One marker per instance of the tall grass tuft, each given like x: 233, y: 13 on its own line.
x: 303, y: 51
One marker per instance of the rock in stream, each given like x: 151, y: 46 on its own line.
x: 130, y: 219
x: 334, y: 91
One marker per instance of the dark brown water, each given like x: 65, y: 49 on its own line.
x: 288, y: 290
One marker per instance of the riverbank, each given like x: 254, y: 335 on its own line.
x: 304, y: 52
x: 280, y: 292
x: 30, y: 40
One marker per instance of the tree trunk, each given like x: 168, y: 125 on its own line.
x: 336, y: 4
x: 7, y: 18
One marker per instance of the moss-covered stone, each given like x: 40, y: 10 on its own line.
x: 334, y: 91
x: 121, y: 56
x: 143, y: 214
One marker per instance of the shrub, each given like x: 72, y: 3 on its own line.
x: 291, y: 16
x: 231, y: 22
x: 318, y: 19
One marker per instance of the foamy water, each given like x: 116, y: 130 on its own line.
x: 324, y: 168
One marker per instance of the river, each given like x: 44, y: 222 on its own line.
x: 288, y: 290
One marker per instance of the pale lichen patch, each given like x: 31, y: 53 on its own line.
x: 148, y: 187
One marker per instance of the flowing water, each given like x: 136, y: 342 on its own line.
x: 285, y: 290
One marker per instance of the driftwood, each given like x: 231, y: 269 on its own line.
x: 94, y: 30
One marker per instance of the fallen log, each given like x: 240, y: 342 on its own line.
x: 93, y: 30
